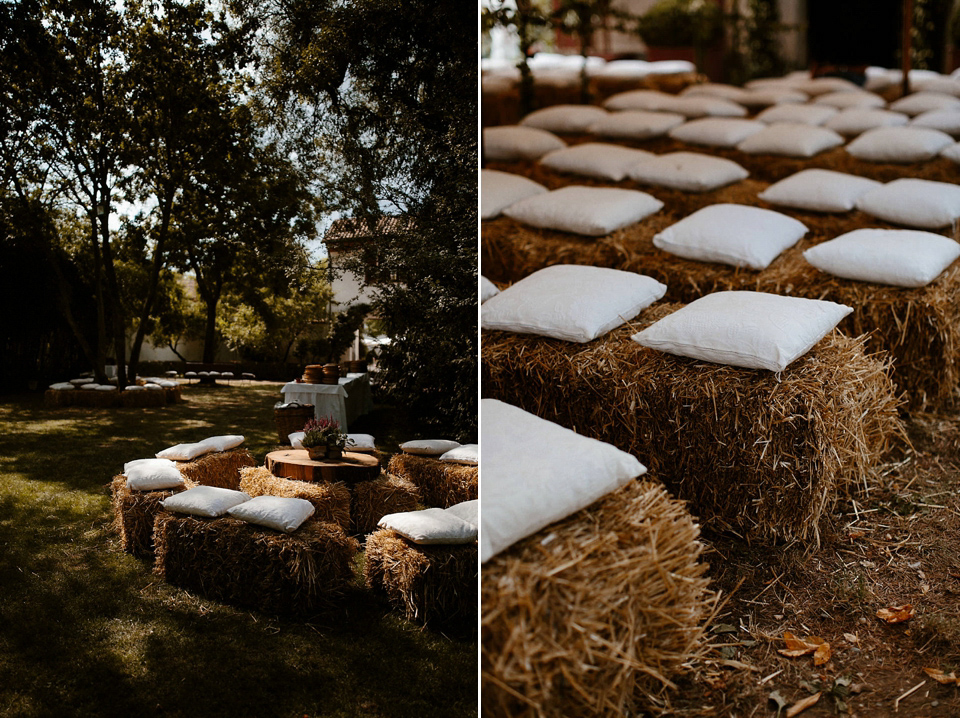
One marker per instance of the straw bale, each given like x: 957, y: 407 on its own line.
x: 331, y: 500
x: 238, y: 563
x: 441, y: 483
x: 434, y: 583
x: 594, y: 612
x: 134, y: 513
x: 54, y: 398
x: 755, y: 452
x: 220, y: 468
x: 141, y: 399
x: 173, y: 394
x: 371, y: 500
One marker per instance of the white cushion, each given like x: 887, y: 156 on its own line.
x: 716, y: 131
x: 167, y: 384
x: 899, y: 144
x: 902, y: 257
x: 913, y: 202
x: 688, y: 171
x: 62, y: 386
x: 819, y: 190
x: 564, y: 118
x: 952, y: 153
x: 509, y: 143
x: 469, y: 511
x: 134, y: 387
x: 595, y: 159
x: 430, y: 526
x: 571, y: 302
x: 715, y: 89
x: 501, y: 189
x: 151, y: 474
x: 92, y: 386
x: 428, y: 447
x: 487, y: 289
x: 592, y: 211
x: 703, y: 107
x: 82, y: 381
x: 103, y: 387
x: 525, y: 490
x: 361, y: 442
x: 944, y: 120
x: 296, y: 439
x: 650, y: 100
x: 747, y: 329
x: 731, y: 234
x: 274, y: 512
x: 468, y: 454
x: 153, y: 387
x: 209, y: 501
x: 846, y: 99
x: 185, y: 452
x: 941, y: 85
x: 223, y: 443
x: 823, y: 85
x: 855, y: 121
x: 636, y: 124
x: 772, y: 96
x: 791, y: 140
x: 920, y: 102
x: 797, y: 114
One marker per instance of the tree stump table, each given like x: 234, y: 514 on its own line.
x: 296, y: 464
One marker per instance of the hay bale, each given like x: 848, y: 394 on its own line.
x: 595, y: 611
x: 761, y: 454
x: 331, y: 500
x: 141, y: 399
x: 134, y: 513
x: 172, y: 394
x: 221, y: 468
x: 55, y: 398
x: 238, y: 563
x: 441, y: 483
x: 371, y: 500
x: 432, y: 583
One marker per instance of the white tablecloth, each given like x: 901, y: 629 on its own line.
x: 344, y: 401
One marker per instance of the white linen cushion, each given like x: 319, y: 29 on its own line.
x: 716, y: 131
x: 797, y: 114
x: 501, y: 189
x: 649, y: 100
x: 846, y: 99
x: 591, y: 211
x: 901, y: 257
x: 487, y: 289
x: 715, y: 89
x: 223, y: 443
x: 428, y: 447
x: 913, y: 202
x: 525, y: 490
x: 819, y: 190
x: 361, y: 442
x: 746, y: 329
x: 952, y: 153
x: 82, y: 381
x: 822, y: 85
x: 772, y: 96
x: 62, y: 386
x: 855, y: 121
x: 791, y: 140
x: 151, y: 475
x: 209, y: 501
x: 941, y: 85
x: 636, y: 124
x: 153, y: 387
x: 920, y: 102
x: 508, y: 143
x: 296, y: 439
x: 688, y: 171
x: 468, y: 454
x: 944, y: 120
x: 430, y: 526
x: 103, y: 387
x: 134, y: 387
x: 90, y: 386
x: 469, y: 511
x: 703, y: 107
x: 595, y: 159
x: 185, y: 452
x: 571, y: 302
x: 274, y: 512
x: 732, y: 234
x: 899, y: 144
x: 564, y: 118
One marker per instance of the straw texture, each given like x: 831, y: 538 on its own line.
x: 441, y: 483
x: 371, y: 500
x: 221, y: 468
x: 331, y: 501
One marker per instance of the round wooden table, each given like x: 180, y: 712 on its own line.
x: 296, y: 464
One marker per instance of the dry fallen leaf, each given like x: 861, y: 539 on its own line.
x: 850, y: 638
x: 941, y: 677
x: 801, y: 706
x: 896, y: 614
x: 822, y: 654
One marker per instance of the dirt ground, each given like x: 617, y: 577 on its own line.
x: 894, y: 545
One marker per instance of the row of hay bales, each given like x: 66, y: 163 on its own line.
x: 113, y: 399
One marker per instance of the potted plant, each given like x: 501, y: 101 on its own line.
x: 323, y: 439
x: 683, y: 30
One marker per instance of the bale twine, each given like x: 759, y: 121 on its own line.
x: 221, y: 468
x: 134, y: 513
x: 371, y: 500
x: 433, y: 583
x: 594, y: 612
x: 441, y: 483
x: 331, y: 500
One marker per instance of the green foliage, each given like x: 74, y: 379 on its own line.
x: 682, y: 22
x: 333, y: 343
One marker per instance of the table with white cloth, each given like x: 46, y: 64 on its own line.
x: 344, y: 401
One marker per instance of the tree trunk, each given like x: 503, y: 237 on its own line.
x: 210, y: 331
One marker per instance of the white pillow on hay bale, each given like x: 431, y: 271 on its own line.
x: 104, y: 387
x: 693, y: 107
x: 330, y: 499
x: 153, y: 387
x: 899, y: 144
x: 913, y: 203
x: 274, y: 512
x: 716, y: 131
x: 89, y: 386
x: 509, y: 143
x: 487, y: 290
x: 361, y: 442
x: 134, y: 387
x: 819, y: 190
x: 595, y: 159
x: 715, y: 89
x: 571, y: 302
x: 947, y: 121
x: 688, y: 172
x: 501, y: 189
x: 773, y: 96
x: 845, y: 99
x: 430, y: 526
x: 791, y: 140
x: 797, y: 114
x: 747, y: 329
x: 469, y: 511
x: 920, y: 102
x: 590, y: 211
x: 901, y: 257
x: 564, y: 118
x: 188, y: 452
x: 647, y: 100
x: 856, y: 121
x: 952, y: 153
x: 428, y: 447
x: 468, y: 454
x: 636, y: 124
x: 208, y: 501
x: 62, y: 386
x: 734, y: 234
x: 152, y: 474
x: 567, y: 473
x: 82, y: 380
x: 940, y: 85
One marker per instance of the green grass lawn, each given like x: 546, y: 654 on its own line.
x: 87, y: 630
